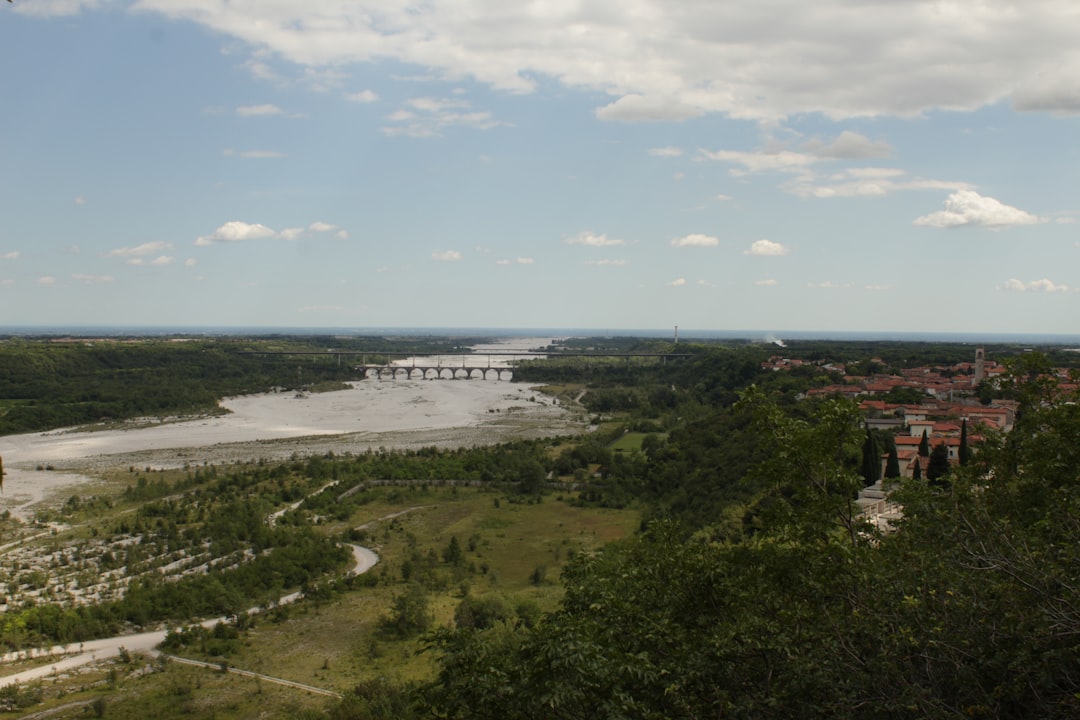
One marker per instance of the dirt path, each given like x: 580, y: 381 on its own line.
x: 258, y: 676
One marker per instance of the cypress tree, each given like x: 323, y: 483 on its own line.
x: 938, y: 467
x: 924, y: 445
x: 892, y: 465
x: 965, y: 453
x: 916, y: 474
x: 871, y: 460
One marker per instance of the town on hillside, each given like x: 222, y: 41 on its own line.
x: 923, y: 408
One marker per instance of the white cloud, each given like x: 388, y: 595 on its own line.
x: 5, y: 282
x: 262, y: 71
x: 435, y: 105
x: 258, y: 110
x: 316, y: 227
x: 667, y: 152
x: 677, y: 282
x: 191, y: 262
x: 446, y: 256
x: 638, y: 108
x: 143, y: 250
x: 848, y: 146
x: 235, y: 231
x: 1053, y: 88
x: 92, y: 279
x: 864, y: 182
x: 13, y: 255
x: 606, y: 263
x: 676, y: 60
x: 767, y: 247
x: 163, y: 260
x: 47, y: 280
x: 428, y: 117
x: 877, y: 287
x: 364, y: 96
x: 591, y: 239
x: 80, y: 200
x: 765, y: 283
x: 1044, y: 285
x: 829, y: 285
x: 875, y: 173
x: 763, y: 160
x: 723, y: 198
x: 779, y: 157
x: 518, y: 261
x: 253, y: 154
x: 967, y: 207
x: 695, y: 240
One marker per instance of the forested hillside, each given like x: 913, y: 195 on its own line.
x: 968, y: 609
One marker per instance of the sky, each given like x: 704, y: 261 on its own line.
x: 857, y: 165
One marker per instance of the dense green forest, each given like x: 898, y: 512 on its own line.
x: 969, y: 609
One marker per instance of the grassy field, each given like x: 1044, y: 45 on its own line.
x: 511, y: 549
x: 631, y: 442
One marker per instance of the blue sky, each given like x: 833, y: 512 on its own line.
x: 775, y: 165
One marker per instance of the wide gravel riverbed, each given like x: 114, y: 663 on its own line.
x: 372, y: 414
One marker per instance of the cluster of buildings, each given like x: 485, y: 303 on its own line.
x: 933, y: 401
x: 935, y: 405
x: 939, y: 383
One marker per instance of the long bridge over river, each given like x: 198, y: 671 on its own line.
x: 468, y: 366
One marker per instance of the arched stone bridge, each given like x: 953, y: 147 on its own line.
x: 434, y: 372
x: 446, y: 367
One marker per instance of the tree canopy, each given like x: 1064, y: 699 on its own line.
x: 968, y: 609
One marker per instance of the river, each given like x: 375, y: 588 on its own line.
x: 371, y: 414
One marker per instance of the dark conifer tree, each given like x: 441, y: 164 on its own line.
x: 938, y: 467
x: 965, y: 453
x: 871, y: 460
x: 916, y: 473
x: 892, y: 465
x: 924, y: 445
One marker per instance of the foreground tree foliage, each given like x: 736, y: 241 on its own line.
x: 970, y: 609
